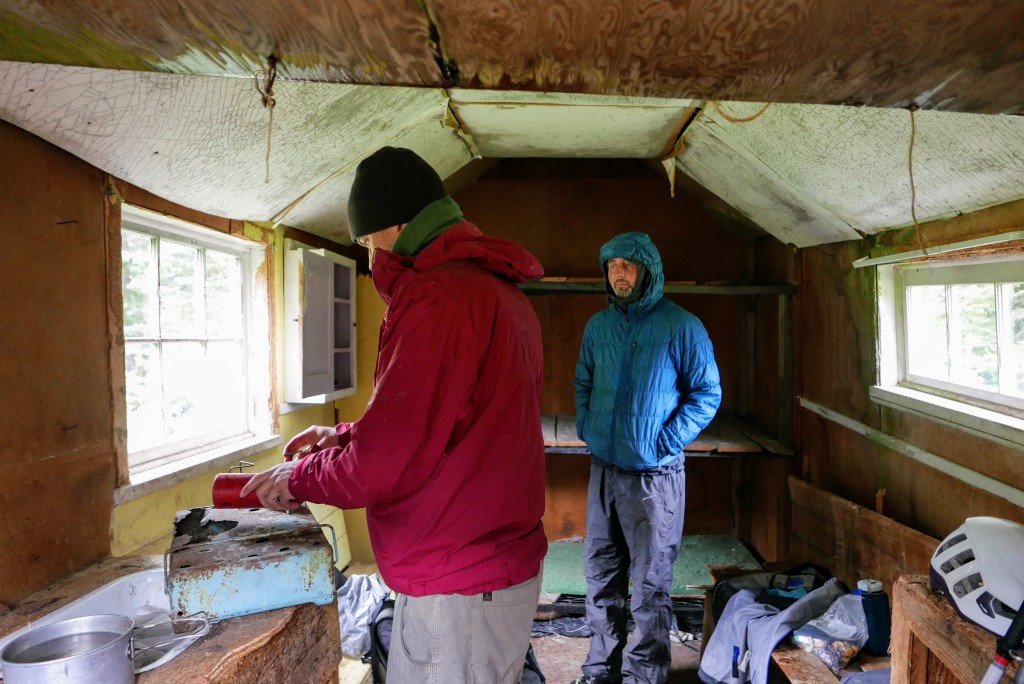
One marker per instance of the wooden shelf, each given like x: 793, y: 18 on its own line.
x: 726, y: 436
x: 568, y: 286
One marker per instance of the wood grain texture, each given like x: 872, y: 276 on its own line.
x: 801, y: 667
x: 347, y: 42
x: 726, y: 435
x: 709, y: 507
x: 563, y: 210
x: 851, y: 541
x: 931, y: 643
x: 57, y: 417
x: 70, y: 587
x: 874, y: 52
x: 837, y: 364
x: 294, y: 645
x: 565, y: 496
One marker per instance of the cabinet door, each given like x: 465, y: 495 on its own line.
x: 344, y: 326
x: 320, y: 318
x: 309, y: 339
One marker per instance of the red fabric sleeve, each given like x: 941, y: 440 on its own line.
x: 426, y: 367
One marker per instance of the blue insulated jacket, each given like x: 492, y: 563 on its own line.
x: 646, y: 381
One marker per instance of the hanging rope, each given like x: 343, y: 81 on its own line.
x: 913, y: 191
x: 263, y: 81
x: 734, y: 119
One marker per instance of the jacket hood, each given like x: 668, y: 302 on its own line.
x: 464, y: 242
x: 639, y: 248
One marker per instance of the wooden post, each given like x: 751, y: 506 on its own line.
x: 901, y: 640
x: 931, y: 644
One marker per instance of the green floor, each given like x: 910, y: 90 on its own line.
x: 563, y: 566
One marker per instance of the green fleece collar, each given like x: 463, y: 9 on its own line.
x: 426, y: 226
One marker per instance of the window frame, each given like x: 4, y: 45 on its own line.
x: 981, y: 413
x: 213, y: 448
x: 981, y: 272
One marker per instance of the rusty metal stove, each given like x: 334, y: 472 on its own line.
x: 233, y: 562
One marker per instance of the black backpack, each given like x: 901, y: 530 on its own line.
x: 806, y: 575
x: 380, y: 640
x: 380, y: 643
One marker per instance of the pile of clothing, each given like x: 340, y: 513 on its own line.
x: 755, y: 613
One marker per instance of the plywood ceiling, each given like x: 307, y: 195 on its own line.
x: 162, y: 94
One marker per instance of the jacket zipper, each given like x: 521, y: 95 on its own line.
x: 627, y: 367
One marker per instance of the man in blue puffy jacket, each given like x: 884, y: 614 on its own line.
x: 646, y: 385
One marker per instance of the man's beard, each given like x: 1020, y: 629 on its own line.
x: 622, y: 290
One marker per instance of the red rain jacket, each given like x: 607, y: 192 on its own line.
x: 448, y: 459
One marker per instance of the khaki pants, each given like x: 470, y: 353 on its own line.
x: 455, y: 639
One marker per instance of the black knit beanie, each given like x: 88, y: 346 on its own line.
x: 392, y: 185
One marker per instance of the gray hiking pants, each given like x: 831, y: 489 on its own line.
x: 634, y: 529
x: 456, y: 639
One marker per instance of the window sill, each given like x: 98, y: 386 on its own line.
x: 995, y: 427
x: 173, y: 473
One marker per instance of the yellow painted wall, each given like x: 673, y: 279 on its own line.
x: 145, y: 525
x: 369, y: 314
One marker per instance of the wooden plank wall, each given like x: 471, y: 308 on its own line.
x: 59, y: 421
x: 563, y: 211
x: 61, y: 370
x: 854, y: 542
x: 57, y: 451
x: 838, y: 366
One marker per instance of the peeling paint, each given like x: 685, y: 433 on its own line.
x: 924, y: 99
x: 228, y: 576
x: 805, y: 174
x: 198, y: 60
x: 448, y: 68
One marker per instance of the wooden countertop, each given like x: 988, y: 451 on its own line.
x: 300, y: 644
x: 71, y: 587
x: 725, y: 436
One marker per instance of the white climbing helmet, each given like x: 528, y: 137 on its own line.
x: 980, y: 569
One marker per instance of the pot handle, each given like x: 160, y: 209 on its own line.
x: 334, y: 536
x: 196, y: 617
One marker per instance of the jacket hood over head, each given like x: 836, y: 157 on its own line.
x: 638, y: 248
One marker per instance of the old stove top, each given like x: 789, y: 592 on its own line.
x: 232, y: 562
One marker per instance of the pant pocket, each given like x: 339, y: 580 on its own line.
x: 415, y: 637
x: 500, y: 633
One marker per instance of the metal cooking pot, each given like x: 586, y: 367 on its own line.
x: 83, y: 650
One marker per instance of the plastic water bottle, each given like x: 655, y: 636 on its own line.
x: 876, y: 610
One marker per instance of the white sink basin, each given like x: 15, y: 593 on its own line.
x: 137, y: 595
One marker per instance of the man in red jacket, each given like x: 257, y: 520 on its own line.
x: 448, y: 459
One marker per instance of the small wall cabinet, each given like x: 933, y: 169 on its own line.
x: 320, y: 320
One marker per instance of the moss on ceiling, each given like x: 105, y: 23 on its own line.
x: 24, y: 41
